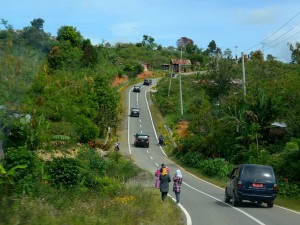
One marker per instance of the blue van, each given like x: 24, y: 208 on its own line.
x: 251, y: 182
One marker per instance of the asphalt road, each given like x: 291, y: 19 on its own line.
x: 202, y: 202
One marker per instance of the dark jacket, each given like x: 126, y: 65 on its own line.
x: 164, y: 182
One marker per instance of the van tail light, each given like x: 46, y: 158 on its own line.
x: 239, y: 185
x: 275, y: 187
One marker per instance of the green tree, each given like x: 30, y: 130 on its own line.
x: 35, y: 36
x: 257, y: 55
x: 107, y: 100
x: 70, y: 35
x: 295, y: 53
x: 90, y: 57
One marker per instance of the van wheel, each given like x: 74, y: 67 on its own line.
x: 270, y: 204
x: 226, y: 197
x: 235, y: 201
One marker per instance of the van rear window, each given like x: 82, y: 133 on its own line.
x: 258, y: 172
x: 143, y: 137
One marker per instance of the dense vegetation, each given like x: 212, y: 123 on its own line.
x: 227, y: 126
x: 57, y: 100
x: 57, y: 106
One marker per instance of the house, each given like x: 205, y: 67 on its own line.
x: 182, y: 64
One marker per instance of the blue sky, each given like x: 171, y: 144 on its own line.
x: 241, y: 26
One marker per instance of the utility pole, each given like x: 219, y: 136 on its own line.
x: 236, y: 52
x: 181, y: 107
x: 244, y: 78
x: 170, y: 81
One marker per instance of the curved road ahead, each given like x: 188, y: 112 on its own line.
x: 201, y: 201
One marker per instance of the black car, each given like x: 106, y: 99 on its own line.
x: 251, y: 182
x: 147, y: 82
x: 136, y: 89
x: 135, y: 112
x: 141, y: 140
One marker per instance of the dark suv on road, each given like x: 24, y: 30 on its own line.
x: 136, y: 89
x: 147, y: 82
x: 135, y: 112
x: 141, y: 140
x: 251, y: 182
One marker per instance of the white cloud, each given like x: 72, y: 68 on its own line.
x: 258, y: 16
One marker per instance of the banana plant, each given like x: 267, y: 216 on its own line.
x: 7, y: 177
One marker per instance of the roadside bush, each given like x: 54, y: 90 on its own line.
x: 108, y: 186
x: 193, y: 159
x: 64, y: 172
x: 288, y: 189
x: 86, y: 129
x: 23, y: 179
x: 215, y: 167
x: 121, y: 168
x: 92, y: 161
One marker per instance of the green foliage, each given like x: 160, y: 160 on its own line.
x: 291, y: 156
x: 35, y: 36
x: 22, y: 180
x: 90, y: 56
x: 64, y: 172
x: 288, y: 189
x: 109, y: 186
x: 92, y: 161
x: 120, y: 167
x: 192, y: 159
x: 7, y: 178
x: 295, y: 53
x: 217, y: 167
x: 65, y: 56
x: 69, y: 34
x: 86, y: 129
x: 107, y: 101
x: 20, y: 156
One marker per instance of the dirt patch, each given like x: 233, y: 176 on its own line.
x: 182, y: 128
x: 119, y: 80
x: 145, y: 74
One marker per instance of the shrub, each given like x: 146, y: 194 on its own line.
x: 288, y: 189
x: 64, y: 172
x: 23, y: 179
x: 121, y: 168
x: 193, y: 159
x: 215, y: 167
x: 108, y: 186
x: 92, y: 161
x: 86, y: 129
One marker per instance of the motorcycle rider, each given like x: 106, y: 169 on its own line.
x: 161, y: 140
x: 117, y: 145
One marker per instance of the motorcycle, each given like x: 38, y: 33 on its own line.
x: 161, y: 140
x: 117, y: 148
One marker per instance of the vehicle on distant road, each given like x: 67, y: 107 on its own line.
x: 251, y: 182
x: 141, y: 140
x: 147, y: 82
x: 135, y: 112
x: 136, y: 89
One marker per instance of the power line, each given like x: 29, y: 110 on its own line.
x: 284, y: 40
x: 282, y: 35
x: 274, y: 32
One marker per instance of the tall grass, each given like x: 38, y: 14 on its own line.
x: 135, y: 206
